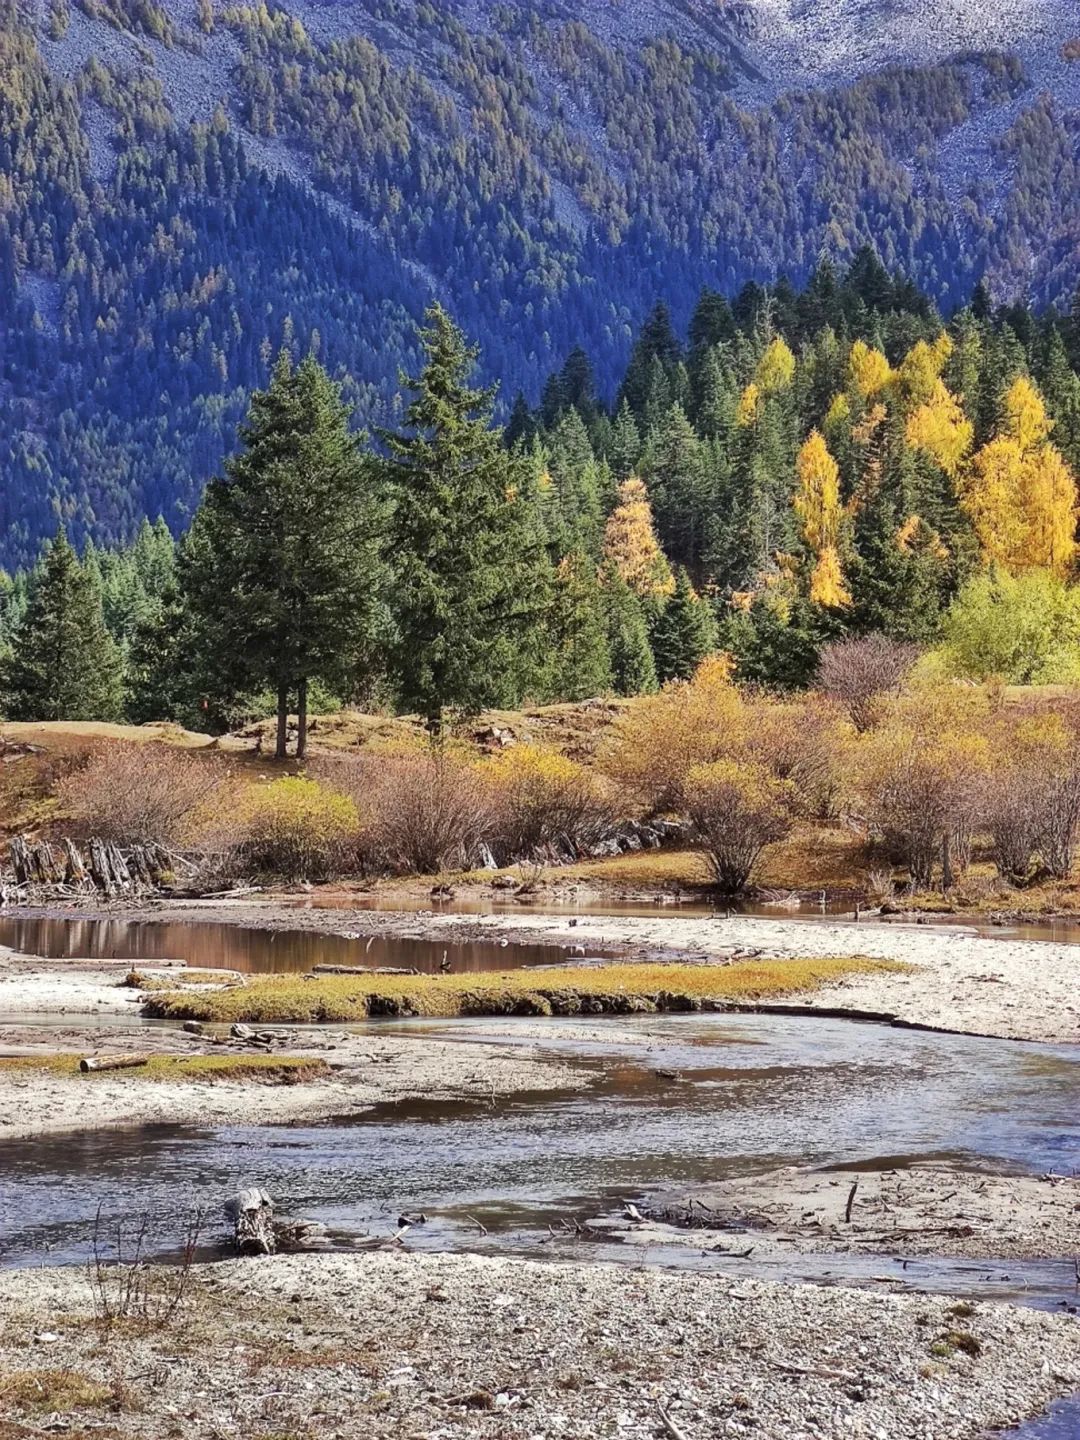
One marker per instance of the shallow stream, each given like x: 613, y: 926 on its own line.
x: 753, y: 1092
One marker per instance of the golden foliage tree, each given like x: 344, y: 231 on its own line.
x: 940, y: 429
x: 630, y: 543
x: 817, y: 503
x: 1020, y: 493
x: 869, y: 370
x: 776, y: 368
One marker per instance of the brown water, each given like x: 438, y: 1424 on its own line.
x: 260, y: 951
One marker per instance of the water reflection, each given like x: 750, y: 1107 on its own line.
x: 259, y: 951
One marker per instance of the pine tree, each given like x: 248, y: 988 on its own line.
x: 633, y: 668
x: 467, y: 569
x: 63, y: 664
x: 683, y: 632
x: 579, y: 655
x: 284, y: 586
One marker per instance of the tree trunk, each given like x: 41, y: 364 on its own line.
x: 282, y: 722
x: 301, y: 722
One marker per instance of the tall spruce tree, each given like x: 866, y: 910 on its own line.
x: 468, y: 571
x: 633, y: 669
x: 64, y: 664
x: 580, y: 657
x: 284, y: 581
x: 683, y: 632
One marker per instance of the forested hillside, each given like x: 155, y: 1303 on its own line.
x: 795, y: 469
x: 185, y: 185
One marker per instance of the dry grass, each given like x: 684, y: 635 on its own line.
x: 567, y: 990
x: 262, y: 1069
x: 54, y: 1391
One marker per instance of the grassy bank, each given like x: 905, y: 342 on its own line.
x: 265, y: 1069
x: 611, y: 989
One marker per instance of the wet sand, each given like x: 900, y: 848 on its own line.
x: 915, y: 1211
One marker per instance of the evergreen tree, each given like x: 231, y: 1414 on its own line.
x: 633, y: 668
x: 683, y: 633
x: 467, y: 570
x: 63, y: 664
x: 285, y: 584
x: 580, y: 657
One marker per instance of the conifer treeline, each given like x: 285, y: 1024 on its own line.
x: 804, y: 465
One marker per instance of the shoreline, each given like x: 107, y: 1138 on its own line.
x: 959, y: 983
x: 397, y: 1344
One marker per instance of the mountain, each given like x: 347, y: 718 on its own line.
x: 187, y: 184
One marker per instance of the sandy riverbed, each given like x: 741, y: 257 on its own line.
x: 419, y: 1346
x: 45, y: 1009
x: 921, y: 1211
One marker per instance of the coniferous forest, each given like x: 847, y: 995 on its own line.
x: 187, y: 188
x: 797, y: 467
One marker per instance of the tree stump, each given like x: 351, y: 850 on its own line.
x: 251, y: 1214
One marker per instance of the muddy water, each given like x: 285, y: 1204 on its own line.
x: 258, y: 951
x: 755, y: 1092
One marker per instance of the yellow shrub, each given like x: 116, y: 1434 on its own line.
x: 536, y: 796
x: 294, y: 828
x: 690, y: 722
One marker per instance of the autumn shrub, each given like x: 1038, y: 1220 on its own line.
x: 801, y: 740
x: 425, y: 808
x: 663, y: 737
x: 860, y: 673
x: 736, y: 808
x: 1025, y: 628
x: 293, y: 828
x: 140, y: 794
x: 536, y: 797
x: 921, y: 781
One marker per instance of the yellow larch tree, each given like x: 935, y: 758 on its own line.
x: 940, y: 429
x: 817, y: 504
x: 869, y: 370
x: 776, y: 368
x: 921, y: 368
x: 1020, y: 494
x: 631, y: 546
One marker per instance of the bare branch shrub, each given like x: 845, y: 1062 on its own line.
x: 422, y: 811
x: 536, y: 797
x: 136, y: 794
x: 736, y: 809
x: 126, y: 1287
x: 862, y: 672
x: 1012, y: 813
x: 802, y: 741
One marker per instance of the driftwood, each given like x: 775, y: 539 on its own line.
x: 360, y: 970
x: 251, y: 1214
x: 100, y: 865
x: 112, y: 1062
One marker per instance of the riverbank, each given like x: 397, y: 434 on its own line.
x: 404, y: 1345
x: 57, y: 1010
x: 955, y: 981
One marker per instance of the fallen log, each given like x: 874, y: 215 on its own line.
x: 93, y: 1063
x: 360, y: 970
x: 251, y: 1214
